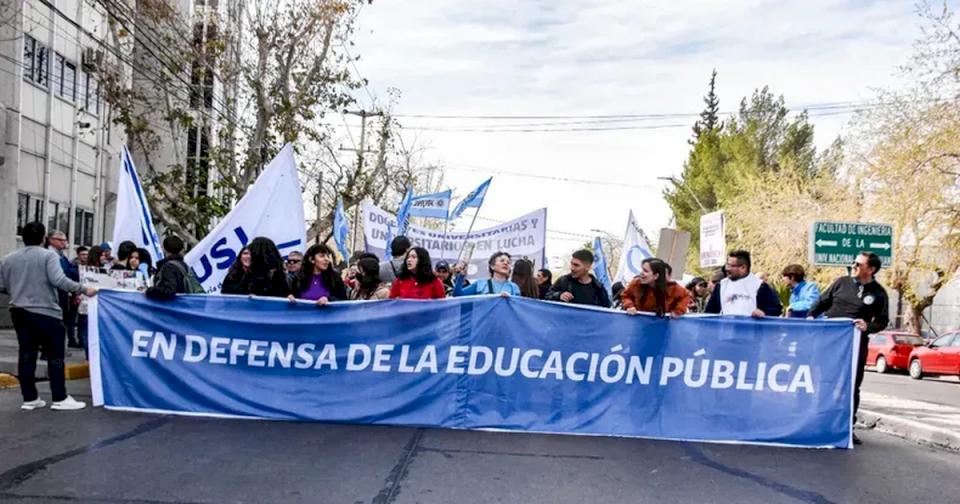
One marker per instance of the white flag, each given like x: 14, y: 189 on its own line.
x: 133, y: 220
x: 635, y: 250
x: 272, y: 208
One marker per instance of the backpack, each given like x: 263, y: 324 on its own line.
x: 193, y: 286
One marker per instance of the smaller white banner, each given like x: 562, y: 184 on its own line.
x: 713, y: 240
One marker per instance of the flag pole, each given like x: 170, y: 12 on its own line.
x: 467, y: 236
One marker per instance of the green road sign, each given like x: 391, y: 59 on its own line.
x: 838, y: 243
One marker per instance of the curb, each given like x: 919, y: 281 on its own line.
x: 76, y: 371
x: 911, y: 430
x: 8, y: 381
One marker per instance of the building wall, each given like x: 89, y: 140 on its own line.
x: 62, y: 153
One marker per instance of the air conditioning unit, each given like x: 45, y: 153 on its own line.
x: 91, y: 59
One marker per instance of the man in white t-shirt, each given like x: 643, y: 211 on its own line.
x: 742, y: 293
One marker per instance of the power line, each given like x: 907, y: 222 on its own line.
x: 486, y: 171
x: 649, y: 116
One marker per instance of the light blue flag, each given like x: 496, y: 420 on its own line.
x: 434, y: 206
x: 600, y: 266
x: 340, y: 230
x: 473, y: 200
x: 403, y: 213
x: 386, y: 251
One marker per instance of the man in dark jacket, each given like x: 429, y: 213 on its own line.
x: 861, y: 298
x: 579, y: 287
x: 172, y: 272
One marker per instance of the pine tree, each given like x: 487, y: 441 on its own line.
x: 710, y: 117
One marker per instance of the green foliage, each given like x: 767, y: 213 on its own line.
x: 760, y: 139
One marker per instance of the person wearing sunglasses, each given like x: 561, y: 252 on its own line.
x: 293, y: 265
x: 860, y: 297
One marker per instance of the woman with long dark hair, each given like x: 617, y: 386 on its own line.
x: 96, y: 256
x: 523, y: 277
x: 146, y: 262
x: 317, y: 280
x: 369, y: 287
x: 698, y: 294
x: 417, y: 280
x: 652, y: 291
x: 257, y: 271
x: 544, y: 281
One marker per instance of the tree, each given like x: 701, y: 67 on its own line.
x: 710, y: 117
x: 199, y: 149
x: 760, y: 139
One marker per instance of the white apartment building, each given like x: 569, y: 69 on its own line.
x: 60, y: 156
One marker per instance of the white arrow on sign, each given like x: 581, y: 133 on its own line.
x: 826, y: 243
x: 884, y: 246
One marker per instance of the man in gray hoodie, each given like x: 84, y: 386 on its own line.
x: 31, y: 276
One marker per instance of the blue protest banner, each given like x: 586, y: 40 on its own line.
x: 479, y: 362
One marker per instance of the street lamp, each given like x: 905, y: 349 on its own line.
x: 684, y: 184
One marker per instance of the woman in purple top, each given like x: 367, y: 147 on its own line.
x: 316, y: 280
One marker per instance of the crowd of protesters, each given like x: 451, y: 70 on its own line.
x: 44, y: 288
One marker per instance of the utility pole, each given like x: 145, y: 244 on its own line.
x: 363, y: 114
x: 684, y: 184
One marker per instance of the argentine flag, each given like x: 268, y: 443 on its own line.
x: 434, y: 206
x: 473, y: 200
x: 600, y: 269
x: 403, y: 213
x: 133, y: 220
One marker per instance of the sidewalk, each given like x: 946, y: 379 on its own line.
x: 76, y: 366
x: 921, y: 422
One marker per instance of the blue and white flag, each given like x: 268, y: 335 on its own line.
x: 479, y: 362
x: 635, y: 250
x: 340, y: 230
x: 434, y: 206
x: 473, y: 200
x: 133, y: 220
x: 272, y: 208
x: 403, y: 213
x: 600, y: 269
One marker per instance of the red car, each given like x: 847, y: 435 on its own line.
x: 891, y: 350
x: 942, y: 357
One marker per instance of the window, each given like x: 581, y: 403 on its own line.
x: 35, y: 64
x: 956, y: 340
x: 37, y: 210
x: 77, y: 232
x: 58, y: 60
x: 70, y: 81
x: 83, y: 85
x: 23, y: 212
x: 52, y: 209
x: 943, y: 342
x: 65, y: 78
x: 88, y: 228
x: 880, y: 339
x: 908, y: 340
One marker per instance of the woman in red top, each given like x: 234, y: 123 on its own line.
x: 417, y: 280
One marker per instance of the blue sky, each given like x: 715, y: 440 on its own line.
x: 607, y: 57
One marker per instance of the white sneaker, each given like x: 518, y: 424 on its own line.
x: 34, y: 404
x: 68, y: 404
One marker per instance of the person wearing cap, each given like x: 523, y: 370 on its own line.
x: 498, y: 284
x: 108, y: 250
x: 443, y: 273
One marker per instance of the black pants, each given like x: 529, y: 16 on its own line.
x: 33, y: 332
x: 861, y: 363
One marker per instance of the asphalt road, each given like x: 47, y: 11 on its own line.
x: 98, y: 457
x: 945, y: 390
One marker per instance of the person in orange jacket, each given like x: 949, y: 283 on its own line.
x: 653, y: 291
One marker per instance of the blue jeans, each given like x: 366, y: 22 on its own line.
x: 33, y: 332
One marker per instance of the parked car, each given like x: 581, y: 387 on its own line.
x: 891, y: 350
x: 942, y: 357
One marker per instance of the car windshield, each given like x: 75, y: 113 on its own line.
x: 908, y: 340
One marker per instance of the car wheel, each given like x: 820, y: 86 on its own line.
x: 882, y: 365
x: 916, y: 369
